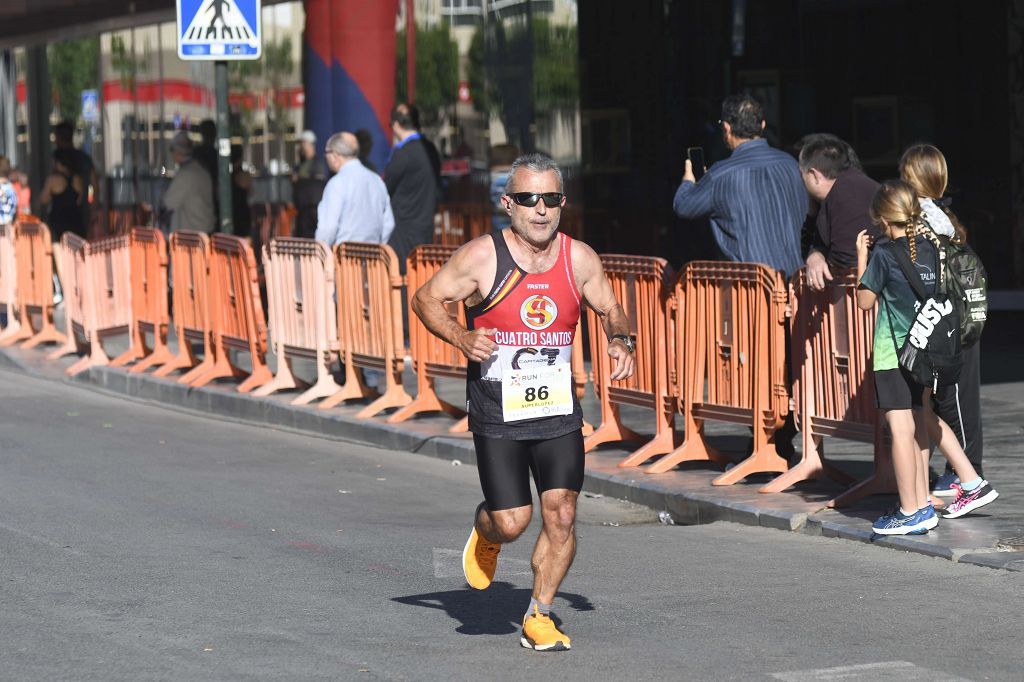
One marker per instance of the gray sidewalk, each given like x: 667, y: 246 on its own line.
x: 686, y: 493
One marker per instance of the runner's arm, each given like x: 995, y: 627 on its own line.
x: 455, y: 281
x: 597, y: 293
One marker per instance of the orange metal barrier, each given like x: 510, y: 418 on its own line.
x: 833, y: 387
x: 8, y: 282
x: 370, y: 324
x: 190, y: 275
x: 431, y: 357
x: 78, y: 302
x: 236, y: 314
x: 103, y: 286
x: 33, y: 251
x: 148, y: 272
x: 730, y: 361
x: 303, y: 314
x: 271, y: 221
x: 458, y: 223
x: 639, y: 285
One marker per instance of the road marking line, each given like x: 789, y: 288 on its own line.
x: 894, y: 671
x: 40, y: 539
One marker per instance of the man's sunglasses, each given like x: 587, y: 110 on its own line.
x: 529, y: 199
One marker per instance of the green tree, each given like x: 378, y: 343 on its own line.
x: 266, y: 76
x: 437, y: 71
x: 73, y: 68
x: 556, y: 81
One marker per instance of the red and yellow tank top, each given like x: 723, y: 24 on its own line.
x: 535, y: 317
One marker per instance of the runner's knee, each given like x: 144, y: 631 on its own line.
x: 558, y: 509
x: 510, y: 526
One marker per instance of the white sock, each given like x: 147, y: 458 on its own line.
x: 905, y: 512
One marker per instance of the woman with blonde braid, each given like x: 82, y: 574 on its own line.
x: 904, y: 402
x: 924, y: 168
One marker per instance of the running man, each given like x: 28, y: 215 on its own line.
x: 522, y: 288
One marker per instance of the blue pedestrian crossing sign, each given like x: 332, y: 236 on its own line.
x: 219, y: 29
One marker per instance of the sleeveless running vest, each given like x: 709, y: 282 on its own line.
x: 535, y: 316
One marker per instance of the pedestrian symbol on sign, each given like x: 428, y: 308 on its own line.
x: 219, y: 29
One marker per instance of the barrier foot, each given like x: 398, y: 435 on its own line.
x: 693, y: 449
x: 395, y: 396
x: 282, y: 381
x: 588, y: 428
x: 425, y: 401
x: 659, y: 445
x: 610, y: 431
x: 461, y: 426
x: 159, y: 356
x: 211, y: 371
x: 354, y: 388
x: 875, y: 484
x: 67, y: 348
x: 260, y: 375
x: 324, y: 388
x: 185, y: 359
x: 812, y: 466
x: 764, y: 460
x: 129, y: 355
x: 347, y: 392
x: 17, y: 330
x: 12, y: 329
x: 48, y: 334
x: 85, y: 362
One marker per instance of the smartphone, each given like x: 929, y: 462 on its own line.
x: 696, y: 157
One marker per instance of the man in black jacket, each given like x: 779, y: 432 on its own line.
x: 411, y: 184
x: 833, y: 177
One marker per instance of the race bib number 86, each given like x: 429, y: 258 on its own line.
x: 533, y: 393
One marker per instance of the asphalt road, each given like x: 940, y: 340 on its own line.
x: 139, y: 543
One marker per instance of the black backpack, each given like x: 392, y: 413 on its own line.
x: 967, y: 284
x: 931, y: 353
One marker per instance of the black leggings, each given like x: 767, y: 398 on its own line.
x: 505, y: 467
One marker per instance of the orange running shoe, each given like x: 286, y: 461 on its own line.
x: 479, y: 560
x: 540, y: 633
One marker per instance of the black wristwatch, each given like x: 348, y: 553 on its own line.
x: 626, y: 340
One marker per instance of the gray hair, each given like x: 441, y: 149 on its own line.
x: 181, y: 142
x: 338, y: 144
x: 538, y: 163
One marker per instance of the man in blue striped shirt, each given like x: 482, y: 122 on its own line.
x: 755, y: 199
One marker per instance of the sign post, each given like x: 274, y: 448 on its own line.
x: 221, y: 30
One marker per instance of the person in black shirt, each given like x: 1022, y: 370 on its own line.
x: 833, y: 178
x: 84, y: 168
x: 62, y: 193
x: 412, y: 185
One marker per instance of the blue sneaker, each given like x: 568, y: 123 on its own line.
x: 928, y: 515
x: 944, y: 485
x: 898, y: 523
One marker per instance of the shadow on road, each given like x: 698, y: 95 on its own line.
x: 498, y: 610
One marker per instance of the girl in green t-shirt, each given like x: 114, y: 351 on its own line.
x: 906, y: 405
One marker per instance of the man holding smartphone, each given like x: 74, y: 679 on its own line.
x: 755, y: 199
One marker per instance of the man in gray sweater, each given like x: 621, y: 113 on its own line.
x: 190, y: 194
